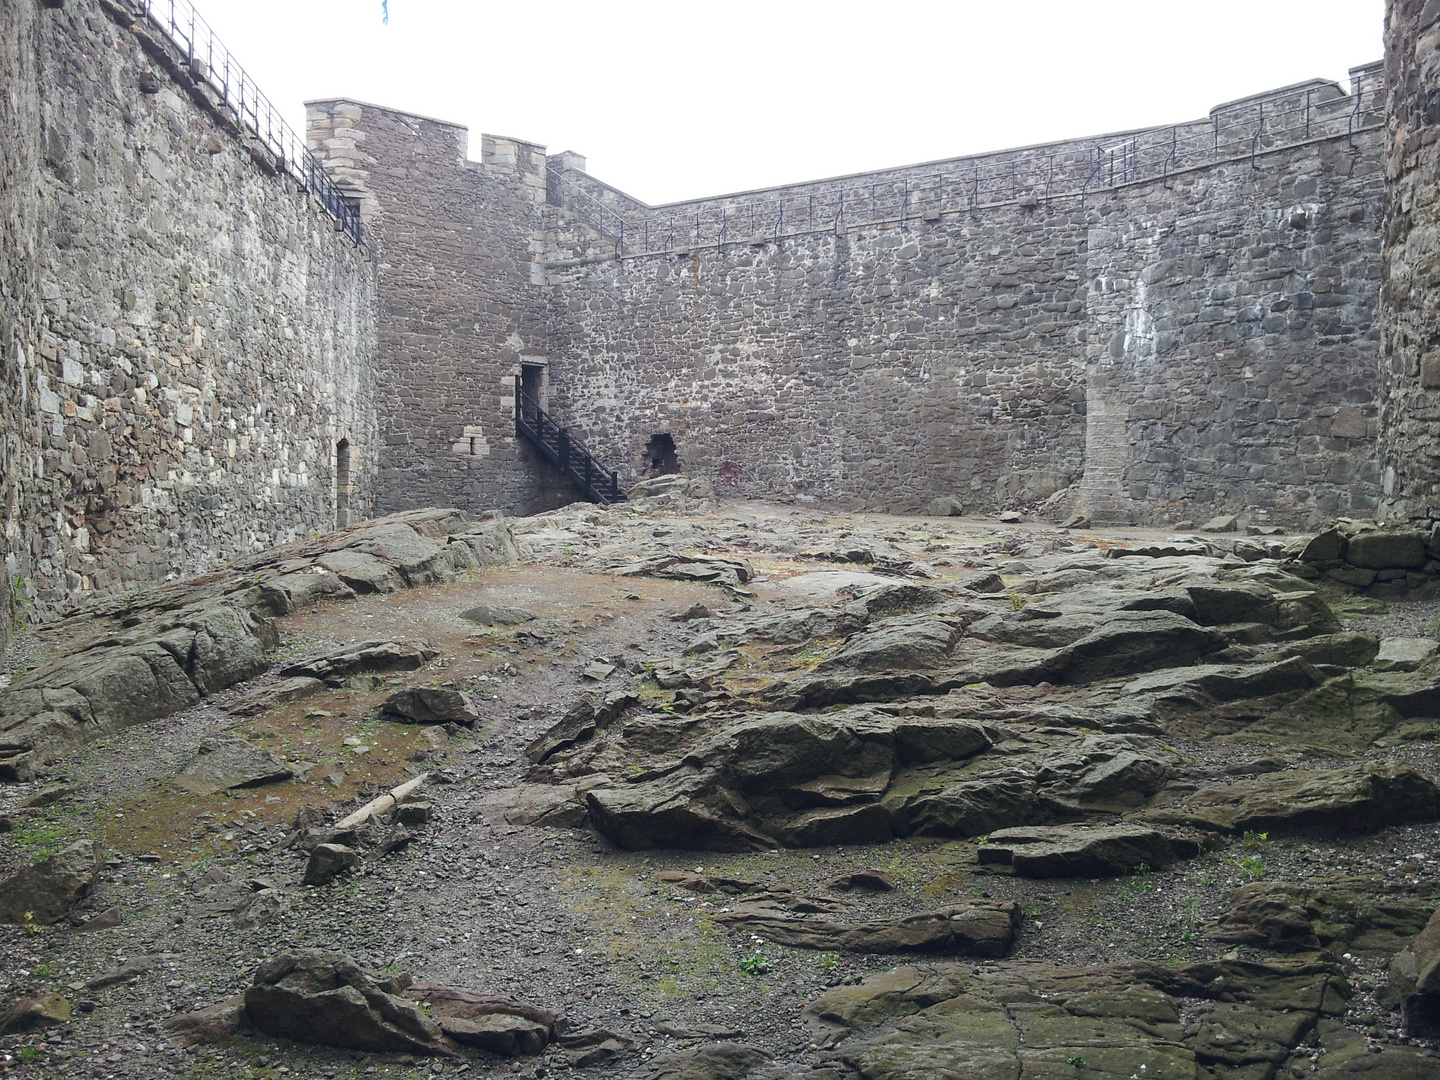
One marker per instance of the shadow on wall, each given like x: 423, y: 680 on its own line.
x: 660, y: 456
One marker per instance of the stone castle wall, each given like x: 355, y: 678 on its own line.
x: 460, y: 251
x: 1410, y: 301
x: 1150, y: 326
x: 19, y: 316
x: 1163, y: 347
x: 186, y: 338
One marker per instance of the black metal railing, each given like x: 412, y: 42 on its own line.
x: 1064, y: 174
x: 232, y: 92
x: 565, y: 452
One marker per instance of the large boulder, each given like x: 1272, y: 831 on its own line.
x: 323, y: 997
x: 45, y: 892
x: 1400, y: 550
x: 430, y: 705
x: 329, y: 861
x: 34, y: 1013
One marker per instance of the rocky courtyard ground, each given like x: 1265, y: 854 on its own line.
x: 728, y: 790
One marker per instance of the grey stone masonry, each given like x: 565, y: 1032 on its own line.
x: 1146, y: 344
x: 1410, y: 302
x: 186, y: 337
x: 460, y: 251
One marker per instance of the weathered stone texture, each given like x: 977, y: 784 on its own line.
x: 1174, y: 347
x: 185, y: 337
x: 460, y: 247
x: 1410, y: 301
x: 19, y: 112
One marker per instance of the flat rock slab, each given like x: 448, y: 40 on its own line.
x: 981, y: 929
x: 500, y: 1025
x: 683, y: 671
x: 430, y: 705
x: 264, y: 698
x: 1353, y: 797
x: 361, y: 571
x: 1358, y: 915
x: 222, y: 764
x: 1018, y: 1020
x: 826, y: 584
x: 338, y: 665
x: 716, y: 1061
x: 710, y: 569
x: 497, y: 615
x: 1404, y: 654
x: 1061, y: 851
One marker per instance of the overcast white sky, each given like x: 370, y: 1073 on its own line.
x: 677, y: 100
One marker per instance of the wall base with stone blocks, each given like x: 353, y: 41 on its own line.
x: 186, y: 337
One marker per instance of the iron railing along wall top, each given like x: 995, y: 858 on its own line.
x: 211, y: 65
x: 565, y: 452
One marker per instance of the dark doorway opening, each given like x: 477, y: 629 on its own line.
x: 660, y: 456
x: 342, y: 482
x: 532, y: 389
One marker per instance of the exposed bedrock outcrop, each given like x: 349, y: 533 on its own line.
x: 119, y: 662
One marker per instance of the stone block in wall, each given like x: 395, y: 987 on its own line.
x: 1430, y: 370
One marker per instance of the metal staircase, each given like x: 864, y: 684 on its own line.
x: 539, y: 429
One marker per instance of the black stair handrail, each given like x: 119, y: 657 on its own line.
x: 567, y: 454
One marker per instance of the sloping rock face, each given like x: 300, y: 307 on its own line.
x: 118, y: 662
x: 941, y: 710
x: 1038, y: 1020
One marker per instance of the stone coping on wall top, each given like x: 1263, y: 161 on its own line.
x: 688, y: 249
x: 317, y: 102
x: 933, y: 164
x: 1294, y: 88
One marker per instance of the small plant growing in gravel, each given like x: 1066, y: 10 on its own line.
x: 28, y: 926
x: 29, y: 1053
x: 755, y: 964
x: 1253, y: 866
x: 1192, y: 919
x: 1255, y: 841
x: 1017, y: 601
x: 1075, y: 1060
